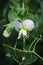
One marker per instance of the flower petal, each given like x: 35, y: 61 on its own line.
x: 17, y: 25
x: 6, y: 34
x: 22, y: 32
x: 23, y: 58
x: 28, y: 24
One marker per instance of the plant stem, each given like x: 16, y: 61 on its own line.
x: 15, y: 44
x: 36, y: 43
x: 23, y: 42
x: 32, y: 43
x: 22, y: 6
x: 15, y: 49
x: 18, y: 19
x: 38, y: 55
x: 15, y: 59
x: 24, y: 51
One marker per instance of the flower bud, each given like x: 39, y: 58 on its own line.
x: 6, y: 33
x: 23, y: 58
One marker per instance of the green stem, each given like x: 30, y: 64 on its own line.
x: 15, y: 44
x: 36, y: 43
x: 15, y: 49
x: 22, y: 7
x: 15, y: 59
x: 23, y: 42
x: 38, y: 56
x: 24, y: 51
x: 32, y: 43
x: 18, y: 19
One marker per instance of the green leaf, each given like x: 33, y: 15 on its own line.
x: 29, y: 59
x: 37, y: 21
x: 11, y: 16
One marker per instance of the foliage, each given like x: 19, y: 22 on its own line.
x: 11, y: 49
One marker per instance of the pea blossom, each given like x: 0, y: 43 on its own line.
x: 23, y: 27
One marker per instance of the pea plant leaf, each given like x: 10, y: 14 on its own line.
x: 29, y: 59
x: 11, y: 16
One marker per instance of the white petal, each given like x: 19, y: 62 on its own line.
x: 23, y: 58
x: 24, y: 32
x: 29, y: 24
x: 17, y: 25
x: 6, y: 34
x: 8, y: 55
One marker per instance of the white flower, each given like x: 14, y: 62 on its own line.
x: 6, y: 34
x: 22, y: 32
x: 22, y: 27
x: 28, y: 24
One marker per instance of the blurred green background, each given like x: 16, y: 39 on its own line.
x: 9, y: 11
